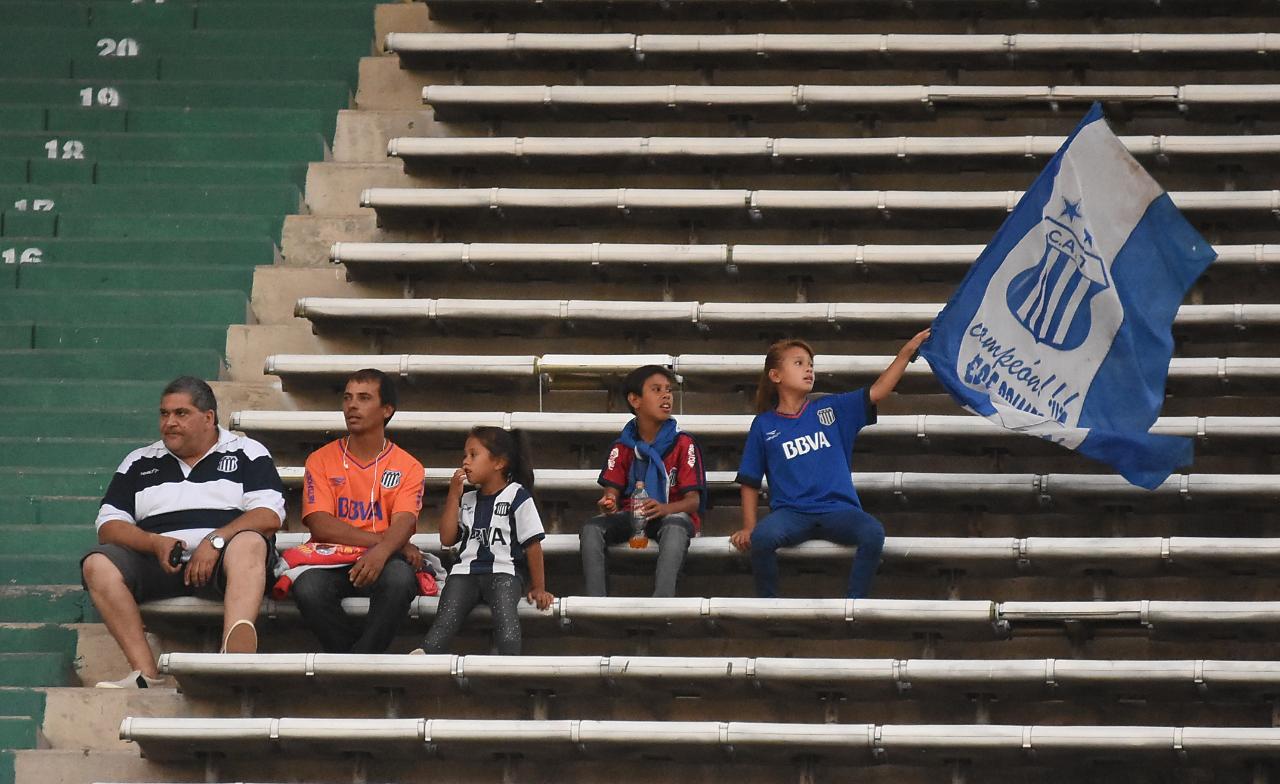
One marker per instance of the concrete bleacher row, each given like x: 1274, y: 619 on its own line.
x: 565, y: 200
x: 320, y: 309
x: 1038, y: 554
x: 334, y: 366
x: 916, y: 426
x: 417, y: 47
x: 597, y: 99
x: 204, y: 673
x: 619, y: 617
x: 449, y: 149
x: 185, y: 738
x: 374, y: 257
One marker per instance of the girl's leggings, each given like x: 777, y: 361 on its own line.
x: 462, y: 592
x: 786, y: 528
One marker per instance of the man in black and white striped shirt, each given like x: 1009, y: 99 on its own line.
x: 195, y: 513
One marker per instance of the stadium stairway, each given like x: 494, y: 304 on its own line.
x: 149, y: 153
x: 529, y: 197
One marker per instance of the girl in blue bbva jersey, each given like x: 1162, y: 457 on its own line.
x: 804, y: 447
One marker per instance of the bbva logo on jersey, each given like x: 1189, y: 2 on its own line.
x: 805, y: 444
x: 228, y: 464
x: 390, y: 479
x: 827, y: 416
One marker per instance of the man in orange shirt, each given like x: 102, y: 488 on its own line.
x: 365, y: 491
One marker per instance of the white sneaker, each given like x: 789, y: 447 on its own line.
x: 242, y: 638
x: 134, y: 680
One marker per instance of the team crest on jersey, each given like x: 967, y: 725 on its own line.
x: 390, y: 479
x: 827, y: 416
x: 228, y: 464
x: 502, y: 508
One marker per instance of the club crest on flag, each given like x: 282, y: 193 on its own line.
x: 390, y: 479
x: 827, y: 416
x: 1062, y: 328
x: 1052, y: 299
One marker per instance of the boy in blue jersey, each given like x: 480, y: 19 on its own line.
x: 804, y: 448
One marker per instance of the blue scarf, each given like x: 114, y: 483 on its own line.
x: 648, y: 465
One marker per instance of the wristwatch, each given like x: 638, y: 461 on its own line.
x: 217, y: 541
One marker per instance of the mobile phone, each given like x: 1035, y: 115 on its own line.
x: 175, y: 554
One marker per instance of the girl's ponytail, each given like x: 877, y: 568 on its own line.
x: 766, y: 390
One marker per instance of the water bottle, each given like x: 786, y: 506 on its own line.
x: 638, y: 539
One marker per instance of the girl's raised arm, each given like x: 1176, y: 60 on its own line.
x: 889, y: 379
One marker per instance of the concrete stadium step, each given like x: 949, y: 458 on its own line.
x: 66, y: 541
x: 189, y: 120
x: 167, y: 147
x: 69, y: 393
x: 120, y: 364
x: 194, y: 738
x: 419, y: 153
x: 135, y: 277
x: 635, y: 51
x: 317, y: 67
x: 211, y: 337
x: 918, y: 555
x: 151, y: 227
x: 48, y: 509
x: 58, y: 604
x: 16, y: 336
x: 179, y: 251
x: 59, y: 481
x: 606, y: 368
x: 131, y: 308
x: 303, y: 94
x: 131, y: 199
x: 176, y: 68
x: 818, y: 618
x: 61, y: 568
x: 706, y: 315
x: 64, y: 452
x: 285, y: 16
x: 911, y: 488
x: 398, y: 203
x: 72, y: 423
x: 370, y: 259
x: 37, y: 171
x: 820, y: 9
x: 18, y: 731
x: 36, y: 41
x: 32, y: 669
x: 597, y: 102
x: 185, y: 15
x: 43, y: 638
x: 20, y: 703
x: 200, y: 674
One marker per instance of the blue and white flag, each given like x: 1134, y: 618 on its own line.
x: 1061, y: 328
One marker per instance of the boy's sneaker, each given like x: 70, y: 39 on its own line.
x: 134, y: 680
x: 242, y: 638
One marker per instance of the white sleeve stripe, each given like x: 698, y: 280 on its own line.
x: 265, y: 499
x: 108, y: 513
